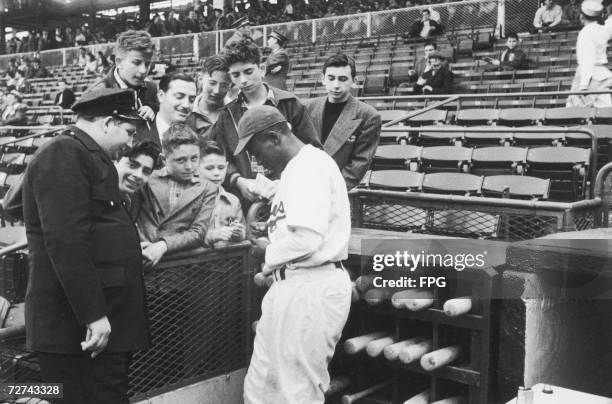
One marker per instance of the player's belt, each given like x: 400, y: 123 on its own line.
x: 279, y: 274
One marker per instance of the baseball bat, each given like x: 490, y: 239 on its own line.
x: 392, y: 351
x: 451, y: 400
x: 458, y: 306
x: 414, y: 352
x: 376, y: 296
x: 364, y: 282
x: 354, y: 293
x: 254, y: 325
x: 376, y: 347
x: 358, y: 344
x: 399, y: 299
x: 337, y: 384
x: 423, y: 300
x: 441, y: 357
x: 351, y: 398
x: 421, y: 398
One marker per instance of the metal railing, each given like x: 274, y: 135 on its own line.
x: 453, y: 16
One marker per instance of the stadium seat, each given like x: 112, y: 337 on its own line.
x: 515, y: 187
x: 452, y: 183
x: 568, y: 116
x: 375, y: 85
x: 445, y: 159
x: 427, y: 139
x: 477, y: 116
x: 485, y: 139
x: 603, y: 116
x: 396, y: 157
x: 520, y: 116
x: 567, y: 167
x: 388, y: 115
x: 10, y: 180
x: 12, y: 163
x: 395, y: 180
x: 498, y: 160
x: 531, y: 139
x: 581, y: 139
x: 431, y: 117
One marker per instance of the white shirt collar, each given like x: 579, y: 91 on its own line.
x: 119, y: 80
x: 161, y: 125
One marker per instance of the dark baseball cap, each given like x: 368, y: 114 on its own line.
x: 120, y: 102
x: 255, y: 121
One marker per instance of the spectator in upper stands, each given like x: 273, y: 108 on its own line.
x: 91, y: 66
x: 44, y: 42
x: 230, y: 16
x: 592, y: 72
x: 422, y: 64
x: 512, y: 58
x: 215, y: 84
x: 192, y: 24
x: 82, y: 59
x: 438, y: 80
x: 172, y: 25
x: 244, y: 59
x: 12, y: 67
x: 277, y: 64
x: 426, y: 27
x: 19, y: 83
x: 217, y: 21
x: 65, y: 96
x: 33, y: 42
x: 38, y: 71
x: 547, y: 16
x: 227, y: 222
x: 157, y: 27
x: 242, y: 32
x: 103, y: 67
x: 69, y: 37
x: 348, y: 128
x: 177, y: 93
x: 133, y: 53
x: 571, y: 13
x: 174, y: 209
x: 58, y: 39
x: 15, y: 112
x: 134, y: 167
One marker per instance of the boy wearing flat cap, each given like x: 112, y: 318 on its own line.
x: 592, y: 72
x: 306, y: 307
x: 85, y: 307
x: 277, y: 63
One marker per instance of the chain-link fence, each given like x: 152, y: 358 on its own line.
x: 519, y: 14
x: 474, y: 217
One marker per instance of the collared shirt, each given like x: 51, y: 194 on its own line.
x: 270, y: 99
x: 227, y: 211
x: 550, y: 17
x: 591, y: 53
x: 426, y: 29
x: 122, y: 84
x: 162, y: 126
x: 176, y: 188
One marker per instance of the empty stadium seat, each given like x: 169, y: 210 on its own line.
x: 515, y: 187
x: 484, y: 139
x: 388, y: 115
x: 12, y: 162
x: 603, y: 116
x: 426, y: 138
x: 498, y: 160
x: 395, y: 180
x: 430, y: 117
x: 452, y: 183
x: 568, y: 116
x: 520, y: 116
x: 476, y: 116
x: 396, y: 157
x: 532, y: 139
x: 567, y: 167
x: 445, y: 159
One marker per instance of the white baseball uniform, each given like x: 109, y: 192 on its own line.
x: 303, y: 314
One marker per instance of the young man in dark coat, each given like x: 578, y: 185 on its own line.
x: 85, y: 304
x: 438, y: 80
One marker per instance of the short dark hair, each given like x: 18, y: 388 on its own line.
x: 243, y: 51
x: 177, y: 135
x: 512, y: 35
x: 431, y: 43
x: 211, y: 147
x: 215, y: 63
x: 426, y: 11
x: 164, y: 82
x: 340, y: 60
x: 146, y: 148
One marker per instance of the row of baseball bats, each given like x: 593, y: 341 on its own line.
x: 340, y: 384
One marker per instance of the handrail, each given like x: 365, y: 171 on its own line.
x: 20, y: 139
x: 50, y: 108
x: 412, y: 114
x: 497, y: 129
x: 13, y: 247
x: 600, y: 184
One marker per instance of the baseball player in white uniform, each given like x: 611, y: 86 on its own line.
x: 305, y: 310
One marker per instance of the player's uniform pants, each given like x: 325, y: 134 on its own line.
x: 301, y: 322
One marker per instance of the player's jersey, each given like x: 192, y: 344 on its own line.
x: 312, y: 194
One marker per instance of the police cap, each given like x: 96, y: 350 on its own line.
x: 120, y: 102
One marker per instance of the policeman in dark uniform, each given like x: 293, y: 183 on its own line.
x: 85, y: 302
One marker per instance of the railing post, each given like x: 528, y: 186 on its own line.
x: 196, y: 47
x: 265, y: 35
x: 64, y: 57
x: 314, y: 31
x: 500, y: 29
x: 369, y: 25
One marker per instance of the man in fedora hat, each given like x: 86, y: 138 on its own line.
x: 437, y: 80
x: 85, y: 305
x: 592, y: 72
x: 242, y: 31
x: 277, y: 64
